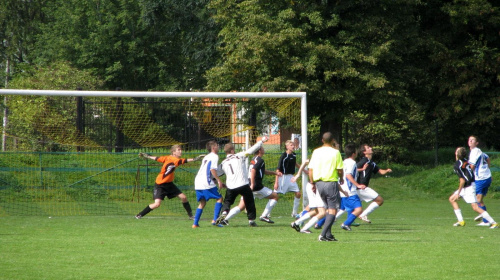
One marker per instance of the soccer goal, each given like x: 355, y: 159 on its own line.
x: 75, y: 152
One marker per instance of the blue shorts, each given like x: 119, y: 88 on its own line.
x: 208, y: 194
x: 482, y: 186
x: 342, y: 203
x: 352, y: 203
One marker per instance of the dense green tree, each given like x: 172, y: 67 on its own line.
x: 27, y: 113
x: 187, y: 41
x: 108, y: 37
x: 465, y: 67
x: 346, y: 55
x: 132, y: 44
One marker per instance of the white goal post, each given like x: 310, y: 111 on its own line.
x: 75, y: 93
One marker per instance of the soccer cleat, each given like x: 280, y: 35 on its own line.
x: 220, y: 219
x: 365, y: 219
x: 355, y: 225
x: 459, y: 224
x: 295, y: 226
x: 191, y: 218
x: 483, y: 224
x: 344, y: 227
x: 478, y: 218
x: 494, y: 225
x: 138, y: 216
x: 217, y: 225
x: 252, y: 223
x: 306, y: 231
x: 224, y: 222
x: 317, y: 227
x: 267, y: 220
x: 195, y: 226
x: 331, y: 238
x: 327, y: 239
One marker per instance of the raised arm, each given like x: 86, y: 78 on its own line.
x: 254, y: 148
x: 301, y: 169
x: 147, y: 156
x: 200, y: 157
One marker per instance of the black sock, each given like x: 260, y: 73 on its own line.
x: 187, y: 206
x: 145, y: 211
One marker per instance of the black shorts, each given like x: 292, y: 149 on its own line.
x: 170, y: 190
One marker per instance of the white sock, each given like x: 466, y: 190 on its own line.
x: 233, y: 213
x: 487, y: 216
x: 296, y: 204
x: 458, y: 213
x: 309, y: 224
x: 269, y: 207
x: 303, y: 218
x: 370, y: 209
x: 339, y: 213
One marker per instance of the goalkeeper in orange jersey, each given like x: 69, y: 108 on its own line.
x: 164, y: 184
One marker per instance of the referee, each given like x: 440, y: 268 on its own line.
x: 325, y: 173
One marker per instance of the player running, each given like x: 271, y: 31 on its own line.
x: 204, y: 184
x: 367, y: 167
x: 466, y: 189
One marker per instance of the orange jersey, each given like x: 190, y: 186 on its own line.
x: 167, y: 170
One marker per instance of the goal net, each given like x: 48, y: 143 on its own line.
x: 75, y: 152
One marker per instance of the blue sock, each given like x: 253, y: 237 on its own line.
x: 484, y: 208
x: 218, y: 206
x: 350, y: 219
x: 321, y: 222
x: 197, y: 216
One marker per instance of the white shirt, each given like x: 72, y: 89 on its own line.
x: 479, y: 160
x: 350, y: 168
x: 235, y: 167
x: 204, y: 179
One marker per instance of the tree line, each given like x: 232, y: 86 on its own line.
x: 402, y: 75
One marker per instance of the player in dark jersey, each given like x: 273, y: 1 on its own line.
x: 366, y: 167
x: 286, y: 169
x: 466, y: 189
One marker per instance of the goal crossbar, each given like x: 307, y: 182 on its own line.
x: 156, y: 94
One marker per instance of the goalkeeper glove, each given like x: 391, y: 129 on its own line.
x: 143, y: 155
x: 200, y: 157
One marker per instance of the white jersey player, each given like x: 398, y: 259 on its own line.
x: 480, y: 164
x: 236, y: 170
x: 205, y: 184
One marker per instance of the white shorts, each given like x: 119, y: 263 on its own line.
x: 285, y: 184
x: 263, y: 193
x: 367, y: 194
x: 468, y: 193
x: 314, y: 198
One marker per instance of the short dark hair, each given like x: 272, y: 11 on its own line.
x: 362, y: 147
x: 349, y: 149
x: 327, y: 137
x: 210, y: 144
x: 461, y: 153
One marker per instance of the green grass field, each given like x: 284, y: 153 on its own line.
x: 411, y: 239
